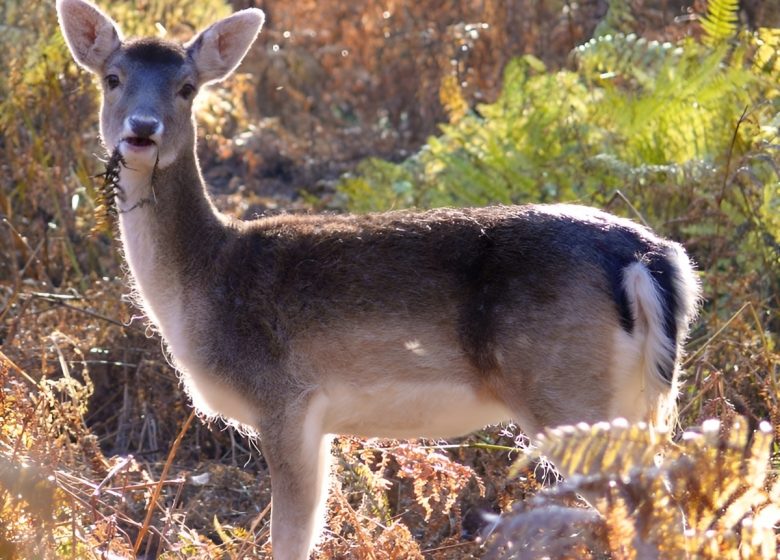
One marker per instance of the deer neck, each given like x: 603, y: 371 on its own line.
x: 170, y: 234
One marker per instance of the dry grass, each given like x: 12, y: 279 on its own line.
x: 99, y: 454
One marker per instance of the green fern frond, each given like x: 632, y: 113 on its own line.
x: 767, y: 45
x: 684, y: 111
x: 624, y: 57
x: 720, y: 21
x: 619, y: 19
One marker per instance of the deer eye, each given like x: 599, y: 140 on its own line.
x: 186, y: 91
x: 112, y: 81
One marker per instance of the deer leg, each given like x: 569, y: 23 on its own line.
x: 298, y: 454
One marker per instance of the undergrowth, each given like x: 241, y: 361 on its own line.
x: 711, y: 496
x: 674, y: 125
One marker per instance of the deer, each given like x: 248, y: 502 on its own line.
x: 402, y: 324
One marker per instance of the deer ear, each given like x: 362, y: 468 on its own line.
x: 220, y: 48
x: 91, y: 35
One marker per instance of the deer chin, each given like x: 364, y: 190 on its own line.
x: 139, y: 153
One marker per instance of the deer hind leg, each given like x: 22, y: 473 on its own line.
x: 298, y: 455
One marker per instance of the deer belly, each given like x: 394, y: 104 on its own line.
x: 408, y: 410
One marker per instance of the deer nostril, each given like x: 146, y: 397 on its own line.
x: 144, y: 127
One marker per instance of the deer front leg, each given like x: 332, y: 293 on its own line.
x: 298, y: 455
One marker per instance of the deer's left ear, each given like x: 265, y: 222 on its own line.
x: 219, y: 49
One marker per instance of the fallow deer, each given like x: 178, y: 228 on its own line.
x: 401, y: 324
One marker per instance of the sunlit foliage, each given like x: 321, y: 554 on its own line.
x: 710, y: 497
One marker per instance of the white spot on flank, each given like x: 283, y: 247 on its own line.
x: 415, y: 347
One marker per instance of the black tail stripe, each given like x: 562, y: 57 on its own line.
x: 664, y: 274
x: 613, y: 267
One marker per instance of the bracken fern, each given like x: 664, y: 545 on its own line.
x: 720, y: 21
x: 709, y: 497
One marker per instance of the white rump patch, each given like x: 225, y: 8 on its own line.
x: 641, y: 358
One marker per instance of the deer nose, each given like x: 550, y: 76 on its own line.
x: 145, y: 126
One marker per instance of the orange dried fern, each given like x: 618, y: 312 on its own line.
x: 708, y: 497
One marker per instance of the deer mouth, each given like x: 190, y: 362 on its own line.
x: 138, y: 142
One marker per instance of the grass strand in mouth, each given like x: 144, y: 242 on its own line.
x: 105, y: 209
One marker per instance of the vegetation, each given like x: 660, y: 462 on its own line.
x: 687, y: 505
x: 671, y: 122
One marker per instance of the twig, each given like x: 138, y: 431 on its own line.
x: 487, y: 446
x: 158, y: 488
x: 729, y: 155
x: 714, y: 378
x: 60, y: 300
x: 52, y: 296
x: 766, y: 348
x: 714, y: 336
x: 17, y: 369
x: 619, y: 194
x: 94, y: 497
x: 448, y: 547
x: 146, y: 485
x: 169, y: 518
x: 724, y: 186
x: 244, y: 550
x: 111, y: 474
x: 16, y: 293
x: 98, y: 316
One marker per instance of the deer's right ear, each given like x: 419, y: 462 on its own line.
x: 218, y: 50
x: 91, y: 35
